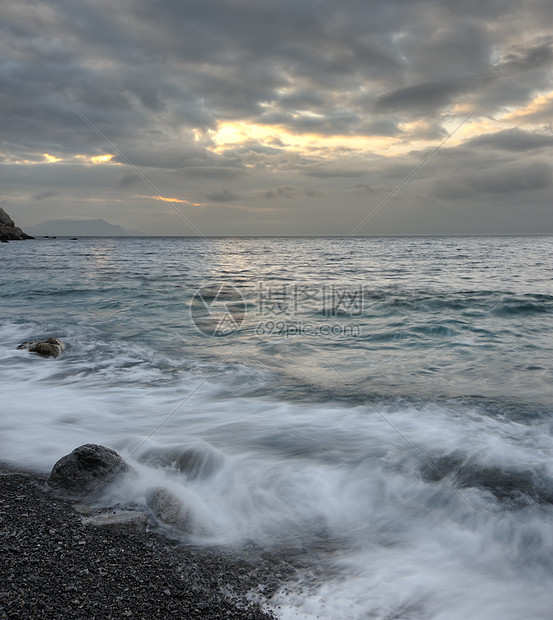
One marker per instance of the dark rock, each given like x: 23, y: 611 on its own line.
x: 51, y: 347
x: 8, y: 230
x: 86, y: 469
x: 169, y: 509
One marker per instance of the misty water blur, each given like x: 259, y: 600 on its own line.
x: 263, y: 439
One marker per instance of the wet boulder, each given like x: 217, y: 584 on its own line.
x: 186, y: 516
x: 87, y: 470
x: 168, y: 509
x: 50, y: 347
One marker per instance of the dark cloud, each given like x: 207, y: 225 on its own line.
x: 515, y: 140
x: 381, y: 127
x: 327, y: 172
x: 507, y: 180
x: 223, y: 195
x: 158, y: 156
x: 215, y: 172
x: 288, y: 192
x: 529, y: 56
x: 424, y: 96
x: 44, y: 195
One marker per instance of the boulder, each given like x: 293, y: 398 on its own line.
x: 86, y: 470
x: 51, y: 347
x: 168, y: 509
x: 8, y: 230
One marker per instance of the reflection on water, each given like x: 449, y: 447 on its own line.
x: 265, y: 444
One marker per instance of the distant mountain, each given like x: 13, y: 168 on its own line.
x: 80, y: 228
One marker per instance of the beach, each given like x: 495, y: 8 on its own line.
x: 53, y: 566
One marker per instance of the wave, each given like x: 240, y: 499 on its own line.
x: 424, y: 492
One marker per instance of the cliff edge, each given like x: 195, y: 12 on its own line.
x: 8, y: 230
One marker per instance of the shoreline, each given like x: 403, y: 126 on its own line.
x: 53, y: 566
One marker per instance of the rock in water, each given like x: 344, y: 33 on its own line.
x: 168, y: 509
x: 8, y: 230
x: 51, y: 347
x: 186, y: 517
x: 86, y: 468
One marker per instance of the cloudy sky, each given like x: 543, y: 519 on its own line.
x: 279, y: 116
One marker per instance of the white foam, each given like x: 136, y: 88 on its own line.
x: 297, y: 474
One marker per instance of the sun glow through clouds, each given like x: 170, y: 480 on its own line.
x: 101, y: 159
x: 50, y: 158
x: 241, y: 134
x: 178, y: 201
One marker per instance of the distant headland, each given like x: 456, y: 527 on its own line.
x: 82, y: 228
x: 9, y: 231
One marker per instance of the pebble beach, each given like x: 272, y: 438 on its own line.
x: 53, y: 566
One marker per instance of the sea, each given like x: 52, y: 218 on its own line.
x: 380, y: 407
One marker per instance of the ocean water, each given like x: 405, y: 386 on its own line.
x: 381, y: 407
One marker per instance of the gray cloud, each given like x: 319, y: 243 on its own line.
x: 288, y: 192
x: 327, y: 172
x: 515, y: 140
x: 426, y: 96
x: 361, y: 188
x: 529, y: 56
x: 208, y: 173
x: 158, y: 80
x: 507, y: 180
x: 44, y: 195
x: 223, y: 195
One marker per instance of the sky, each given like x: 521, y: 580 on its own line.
x: 279, y: 117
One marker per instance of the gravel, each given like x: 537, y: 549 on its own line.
x: 53, y: 566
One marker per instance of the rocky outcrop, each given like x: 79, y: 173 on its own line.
x: 86, y: 470
x: 8, y: 230
x: 51, y: 347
